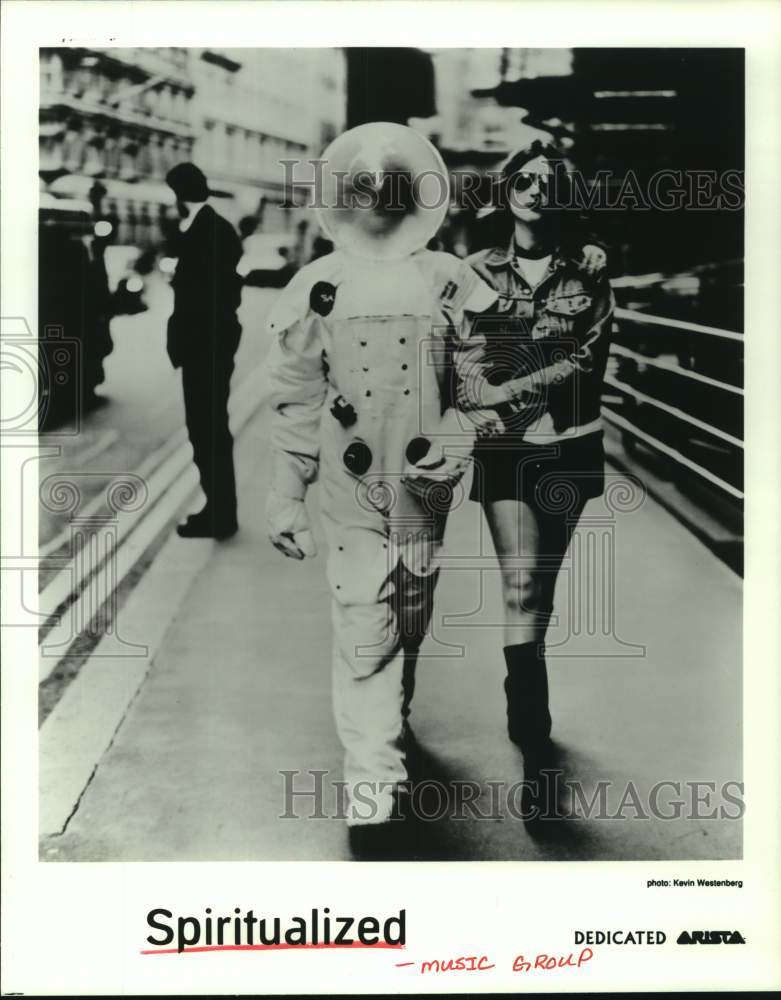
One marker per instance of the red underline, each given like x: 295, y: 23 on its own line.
x: 263, y: 947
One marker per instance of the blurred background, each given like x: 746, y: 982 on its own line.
x: 114, y: 121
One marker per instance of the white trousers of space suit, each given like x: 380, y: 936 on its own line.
x: 371, y: 335
x: 381, y: 610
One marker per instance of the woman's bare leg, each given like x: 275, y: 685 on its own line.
x: 530, y: 546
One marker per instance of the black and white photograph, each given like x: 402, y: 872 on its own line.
x: 382, y: 445
x: 373, y: 371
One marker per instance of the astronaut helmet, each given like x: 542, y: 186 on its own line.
x: 385, y: 191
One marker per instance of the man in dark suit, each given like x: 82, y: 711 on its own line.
x: 203, y: 336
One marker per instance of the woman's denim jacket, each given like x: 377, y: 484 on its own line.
x: 555, y: 336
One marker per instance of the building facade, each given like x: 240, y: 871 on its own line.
x: 470, y: 123
x: 114, y: 121
x: 254, y: 108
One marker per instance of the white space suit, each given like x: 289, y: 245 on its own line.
x: 360, y: 374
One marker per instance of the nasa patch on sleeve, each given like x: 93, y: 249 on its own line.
x: 322, y: 297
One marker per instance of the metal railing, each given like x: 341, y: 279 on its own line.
x: 631, y: 322
x: 676, y: 324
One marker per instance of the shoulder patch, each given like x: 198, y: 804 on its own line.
x: 322, y: 297
x: 313, y: 288
x: 448, y: 293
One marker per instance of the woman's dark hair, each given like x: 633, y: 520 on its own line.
x: 523, y: 156
x: 562, y: 210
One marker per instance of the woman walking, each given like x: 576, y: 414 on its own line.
x: 538, y: 362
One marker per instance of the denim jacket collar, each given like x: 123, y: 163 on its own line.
x: 503, y: 257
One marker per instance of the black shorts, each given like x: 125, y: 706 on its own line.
x: 555, y: 477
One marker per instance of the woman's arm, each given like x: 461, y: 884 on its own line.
x: 473, y: 394
x: 580, y: 361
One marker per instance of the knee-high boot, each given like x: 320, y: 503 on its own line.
x: 526, y: 687
x: 529, y: 726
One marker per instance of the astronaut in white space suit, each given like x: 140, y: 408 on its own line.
x: 361, y: 378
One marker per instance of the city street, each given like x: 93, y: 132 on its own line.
x: 143, y: 407
x: 177, y: 754
x: 252, y: 614
x: 184, y: 686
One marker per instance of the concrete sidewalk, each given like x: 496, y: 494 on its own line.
x: 645, y: 688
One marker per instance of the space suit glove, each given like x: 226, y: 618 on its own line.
x: 288, y: 526
x: 436, y: 468
x: 486, y: 422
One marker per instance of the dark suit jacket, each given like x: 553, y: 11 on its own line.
x: 207, y: 291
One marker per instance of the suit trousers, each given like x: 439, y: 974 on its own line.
x: 206, y: 386
x: 382, y: 568
x: 376, y: 642
x: 381, y: 611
